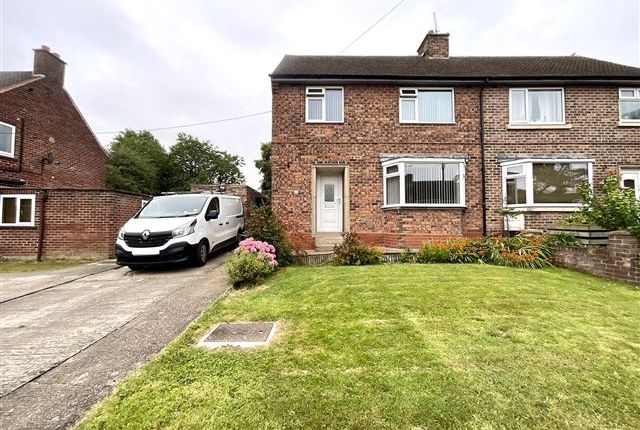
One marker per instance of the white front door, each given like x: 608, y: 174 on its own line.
x: 329, y: 204
x: 630, y: 178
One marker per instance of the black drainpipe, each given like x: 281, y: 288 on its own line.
x: 21, y: 143
x: 483, y: 172
x: 41, y: 236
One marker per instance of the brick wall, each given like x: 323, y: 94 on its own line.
x: 619, y: 260
x: 47, y: 120
x: 592, y: 113
x: 78, y: 223
x: 371, y: 127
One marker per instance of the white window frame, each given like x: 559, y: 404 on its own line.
x: 400, y: 162
x: 632, y: 173
x: 528, y: 175
x: 321, y: 95
x: 415, y: 104
x: 18, y: 198
x: 636, y: 97
x: 526, y: 106
x: 13, y: 141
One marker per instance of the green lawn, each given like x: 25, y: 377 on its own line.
x: 7, y: 266
x: 403, y: 347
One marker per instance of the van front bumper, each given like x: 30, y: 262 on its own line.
x: 175, y: 253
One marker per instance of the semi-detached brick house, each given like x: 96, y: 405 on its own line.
x: 52, y: 169
x: 408, y: 149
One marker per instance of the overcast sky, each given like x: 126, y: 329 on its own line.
x: 154, y: 63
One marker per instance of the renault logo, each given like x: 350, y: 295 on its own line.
x: 146, y: 234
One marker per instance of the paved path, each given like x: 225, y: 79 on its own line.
x: 67, y: 336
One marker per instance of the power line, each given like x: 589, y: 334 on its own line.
x: 372, y: 25
x: 215, y: 121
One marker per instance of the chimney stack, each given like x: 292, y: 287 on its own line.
x: 434, y: 45
x: 49, y: 64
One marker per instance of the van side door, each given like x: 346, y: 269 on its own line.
x: 215, y: 226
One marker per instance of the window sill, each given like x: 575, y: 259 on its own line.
x: 7, y: 156
x: 324, y: 122
x: 387, y: 207
x: 539, y: 126
x: 538, y: 208
x: 628, y: 124
x: 25, y: 226
x: 426, y: 123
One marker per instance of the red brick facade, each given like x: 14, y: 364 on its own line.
x: 371, y: 128
x: 78, y: 223
x: 81, y: 219
x: 46, y: 120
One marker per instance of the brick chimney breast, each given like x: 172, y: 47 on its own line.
x: 49, y: 64
x: 434, y: 45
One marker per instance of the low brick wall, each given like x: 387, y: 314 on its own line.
x: 619, y: 259
x: 78, y: 223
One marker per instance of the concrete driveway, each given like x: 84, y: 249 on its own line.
x: 67, y: 336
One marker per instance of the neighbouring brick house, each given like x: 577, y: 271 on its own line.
x: 52, y: 166
x: 408, y: 149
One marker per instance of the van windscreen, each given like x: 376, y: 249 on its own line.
x: 173, y: 206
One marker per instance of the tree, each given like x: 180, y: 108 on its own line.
x: 198, y: 161
x: 137, y: 162
x: 264, y: 166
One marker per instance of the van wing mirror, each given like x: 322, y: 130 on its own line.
x: 212, y: 214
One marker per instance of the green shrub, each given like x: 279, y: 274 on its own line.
x: 518, y: 251
x: 263, y: 226
x: 246, y: 268
x: 352, y: 252
x: 407, y: 256
x: 614, y: 208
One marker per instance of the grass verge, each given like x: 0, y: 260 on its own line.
x: 402, y: 347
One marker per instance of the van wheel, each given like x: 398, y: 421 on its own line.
x: 201, y: 254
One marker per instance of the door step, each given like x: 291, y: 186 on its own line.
x: 326, y: 242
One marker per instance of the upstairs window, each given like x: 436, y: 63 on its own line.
x: 324, y: 104
x: 423, y: 183
x: 536, y: 106
x: 630, y: 105
x: 431, y: 106
x: 544, y: 182
x: 7, y: 139
x: 17, y: 210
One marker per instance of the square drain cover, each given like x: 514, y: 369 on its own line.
x: 243, y: 335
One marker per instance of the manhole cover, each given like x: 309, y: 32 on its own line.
x: 243, y: 335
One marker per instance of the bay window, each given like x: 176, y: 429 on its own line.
x: 544, y: 183
x: 630, y: 105
x: 432, y: 106
x: 324, y: 104
x: 17, y: 210
x: 423, y: 182
x: 536, y: 106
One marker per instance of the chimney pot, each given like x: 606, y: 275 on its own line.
x: 434, y: 45
x: 45, y: 48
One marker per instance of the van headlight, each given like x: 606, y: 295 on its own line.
x: 184, y: 230
x: 121, y: 234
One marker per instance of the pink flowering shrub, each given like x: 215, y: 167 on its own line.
x: 251, y: 261
x: 263, y: 250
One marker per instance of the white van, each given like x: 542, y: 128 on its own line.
x: 179, y: 227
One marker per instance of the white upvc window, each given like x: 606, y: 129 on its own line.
x: 630, y: 179
x: 536, y: 106
x: 629, y: 105
x: 545, y: 184
x: 423, y: 182
x: 17, y: 210
x: 427, y: 105
x: 324, y: 104
x: 7, y: 139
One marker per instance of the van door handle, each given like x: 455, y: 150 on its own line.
x: 220, y: 224
x: 227, y: 222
